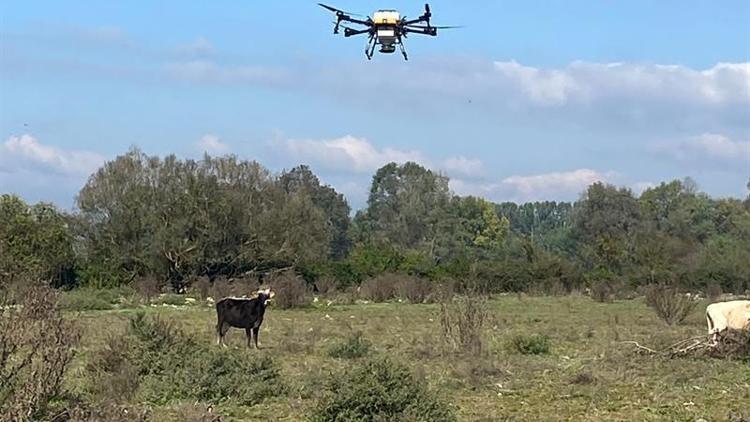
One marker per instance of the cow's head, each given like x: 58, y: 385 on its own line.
x: 266, y: 295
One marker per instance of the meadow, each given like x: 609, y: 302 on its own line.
x: 585, y: 370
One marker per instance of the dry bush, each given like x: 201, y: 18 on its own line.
x: 601, y: 291
x: 413, y: 289
x: 478, y: 372
x: 555, y: 287
x: 462, y: 321
x: 671, y: 305
x: 245, y: 285
x: 326, y: 286
x: 379, y: 289
x: 203, y: 286
x: 36, y: 347
x: 221, y: 289
x: 583, y: 378
x: 713, y: 292
x: 291, y: 290
x: 293, y: 339
x: 442, y: 292
x: 109, y: 412
x: 113, y: 376
x: 148, y: 287
x: 732, y: 344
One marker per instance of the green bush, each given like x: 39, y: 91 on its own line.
x: 379, y: 390
x: 90, y: 299
x: 172, y: 366
x: 353, y: 347
x: 536, y: 344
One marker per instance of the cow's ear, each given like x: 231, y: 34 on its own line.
x: 271, y: 293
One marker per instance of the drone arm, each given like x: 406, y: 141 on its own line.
x: 348, y: 32
x: 416, y: 21
x: 347, y: 18
x: 423, y: 31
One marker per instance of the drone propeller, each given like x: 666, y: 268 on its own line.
x: 427, y: 14
x: 436, y: 27
x: 337, y: 11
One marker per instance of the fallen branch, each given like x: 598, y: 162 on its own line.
x: 642, y: 347
x: 677, y: 349
x: 731, y: 344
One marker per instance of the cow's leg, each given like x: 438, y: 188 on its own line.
x: 256, y: 331
x: 249, y: 334
x: 221, y: 329
x: 711, y: 332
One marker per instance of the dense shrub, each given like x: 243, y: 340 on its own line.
x: 462, y: 321
x: 148, y: 287
x: 326, y: 286
x: 354, y: 347
x: 172, y: 366
x: 91, y: 299
x: 713, y: 292
x: 379, y: 390
x: 379, y: 289
x: 413, y: 289
x: 442, y: 291
x: 109, y: 412
x: 732, y: 344
x: 291, y: 290
x: 601, y: 291
x: 669, y: 304
x: 221, y: 288
x: 202, y: 286
x: 36, y: 348
x: 116, y: 376
x: 536, y: 344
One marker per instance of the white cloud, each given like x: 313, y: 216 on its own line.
x: 25, y: 153
x: 209, y: 72
x: 560, y: 186
x: 707, y: 150
x: 212, y: 144
x: 462, y: 166
x: 500, y: 83
x: 346, y: 154
x: 541, y: 87
x: 620, y: 88
x: 40, y: 172
x: 200, y: 47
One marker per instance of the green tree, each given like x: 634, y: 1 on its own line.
x: 35, y: 243
x: 405, y: 207
x: 333, y: 205
x: 179, y: 218
x: 604, y: 223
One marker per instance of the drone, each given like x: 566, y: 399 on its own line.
x: 386, y: 28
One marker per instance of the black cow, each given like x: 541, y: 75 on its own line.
x: 244, y: 313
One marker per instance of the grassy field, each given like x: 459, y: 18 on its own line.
x: 589, y: 374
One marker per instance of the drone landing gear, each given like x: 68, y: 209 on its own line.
x: 370, y: 49
x: 403, y: 50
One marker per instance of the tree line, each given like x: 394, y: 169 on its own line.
x: 178, y: 219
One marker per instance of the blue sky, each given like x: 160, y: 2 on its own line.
x: 530, y: 101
